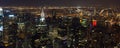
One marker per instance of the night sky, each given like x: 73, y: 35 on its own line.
x: 59, y: 2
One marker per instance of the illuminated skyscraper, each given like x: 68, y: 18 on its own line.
x: 1, y: 22
x: 42, y: 23
x: 1, y: 12
x: 1, y: 19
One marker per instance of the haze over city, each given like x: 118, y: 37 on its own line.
x: 104, y: 3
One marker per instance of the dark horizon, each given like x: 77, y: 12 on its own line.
x: 95, y: 3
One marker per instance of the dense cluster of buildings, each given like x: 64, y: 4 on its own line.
x: 59, y: 28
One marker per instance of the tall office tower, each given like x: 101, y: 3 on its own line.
x: 1, y: 22
x: 42, y: 31
x: 42, y: 23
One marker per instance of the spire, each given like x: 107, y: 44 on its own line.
x: 42, y: 15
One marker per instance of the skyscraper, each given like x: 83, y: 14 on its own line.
x: 1, y: 21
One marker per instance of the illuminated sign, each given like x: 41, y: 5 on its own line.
x: 94, y: 23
